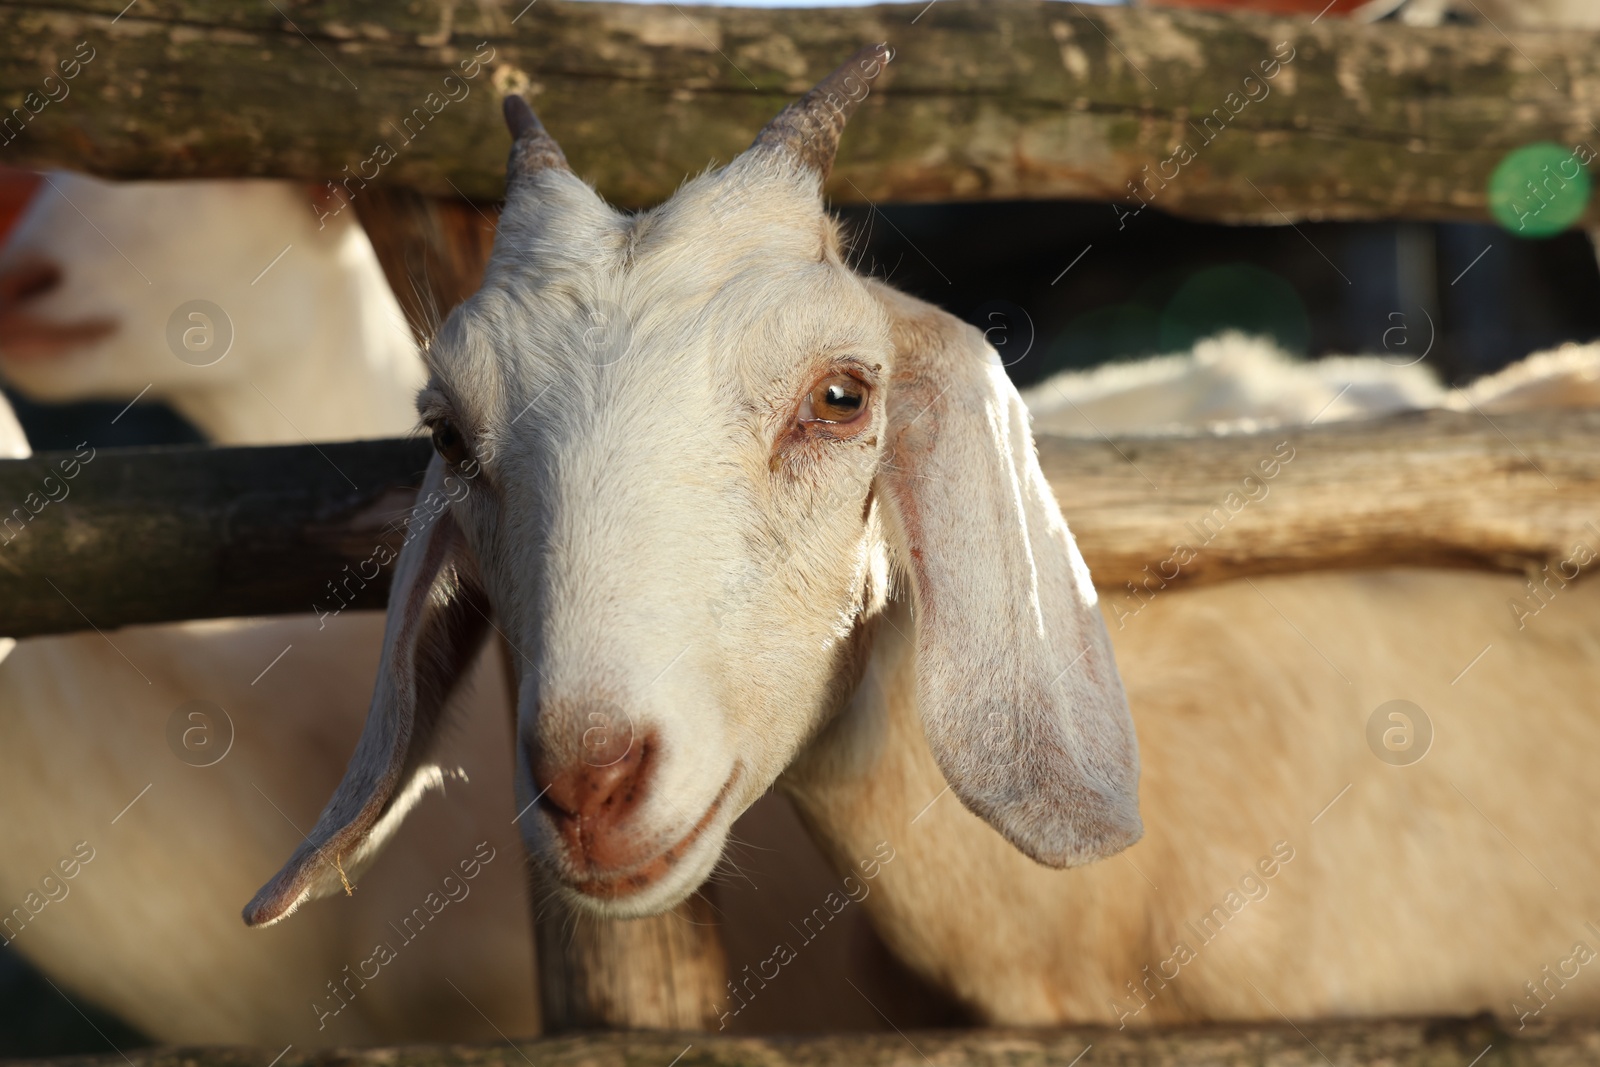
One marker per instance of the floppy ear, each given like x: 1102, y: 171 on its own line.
x: 1017, y: 686
x: 438, y: 617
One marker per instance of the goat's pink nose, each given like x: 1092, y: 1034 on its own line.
x: 591, y: 799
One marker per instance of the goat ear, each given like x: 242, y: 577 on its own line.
x: 1018, y: 689
x: 437, y: 620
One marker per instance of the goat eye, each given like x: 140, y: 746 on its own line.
x: 448, y: 442
x: 838, y: 398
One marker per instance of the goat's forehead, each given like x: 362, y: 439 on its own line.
x: 683, y: 304
x: 737, y: 279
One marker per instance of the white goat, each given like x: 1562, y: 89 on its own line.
x: 1238, y: 383
x: 86, y: 297
x: 767, y: 435
x: 149, y: 927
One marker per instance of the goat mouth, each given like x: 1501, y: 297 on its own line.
x: 27, y: 337
x: 647, y: 874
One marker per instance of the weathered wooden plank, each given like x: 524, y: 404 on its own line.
x: 160, y: 534
x: 1003, y: 99
x: 153, y: 535
x: 1449, y: 1042
x: 1434, y: 489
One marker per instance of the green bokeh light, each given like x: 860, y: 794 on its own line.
x: 1539, y: 190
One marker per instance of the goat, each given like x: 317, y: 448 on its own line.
x: 769, y: 438
x: 81, y: 320
x: 1237, y: 383
x: 147, y: 930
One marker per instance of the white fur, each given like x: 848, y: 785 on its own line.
x: 1231, y: 382
x: 1251, y: 704
x: 321, y: 349
x: 151, y: 926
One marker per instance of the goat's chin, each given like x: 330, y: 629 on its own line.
x: 632, y: 897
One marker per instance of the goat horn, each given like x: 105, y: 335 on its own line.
x: 809, y: 129
x: 532, y: 148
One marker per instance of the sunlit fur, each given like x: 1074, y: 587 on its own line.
x: 1443, y: 887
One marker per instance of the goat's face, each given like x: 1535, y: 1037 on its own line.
x: 678, y: 417
x: 676, y: 453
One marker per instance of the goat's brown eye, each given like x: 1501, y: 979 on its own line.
x: 838, y: 398
x: 448, y: 442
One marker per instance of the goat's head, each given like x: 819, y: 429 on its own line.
x: 100, y: 282
x: 679, y: 456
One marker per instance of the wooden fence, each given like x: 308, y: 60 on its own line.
x: 1453, y: 1042
x: 163, y: 534
x: 986, y: 99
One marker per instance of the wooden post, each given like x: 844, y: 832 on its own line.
x: 433, y: 250
x: 666, y: 972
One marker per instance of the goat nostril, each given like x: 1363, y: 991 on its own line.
x: 596, y: 795
x: 29, y: 280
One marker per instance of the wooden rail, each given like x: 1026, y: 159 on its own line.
x: 156, y: 535
x: 987, y: 99
x: 1449, y: 1042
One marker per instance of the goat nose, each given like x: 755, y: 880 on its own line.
x: 589, y: 792
x: 28, y: 280
x: 592, y: 797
